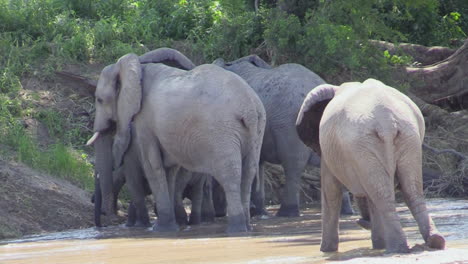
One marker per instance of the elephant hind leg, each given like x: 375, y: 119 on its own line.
x: 293, y: 155
x: 377, y: 226
x: 331, y: 206
x: 409, y: 173
x: 229, y: 178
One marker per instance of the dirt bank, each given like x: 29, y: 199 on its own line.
x: 33, y: 202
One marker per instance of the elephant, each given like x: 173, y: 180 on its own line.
x: 197, y: 188
x: 369, y: 136
x: 131, y: 173
x: 282, y: 90
x: 109, y: 179
x: 206, y: 120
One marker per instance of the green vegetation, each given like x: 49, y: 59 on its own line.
x: 38, y: 37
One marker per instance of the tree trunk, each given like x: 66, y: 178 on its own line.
x: 447, y: 79
x: 421, y: 54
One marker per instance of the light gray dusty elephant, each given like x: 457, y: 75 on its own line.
x: 206, y: 120
x: 370, y: 137
x: 109, y: 179
x: 282, y: 90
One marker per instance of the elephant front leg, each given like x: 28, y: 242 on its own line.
x: 208, y: 211
x: 346, y: 205
x: 331, y: 205
x: 156, y: 175
x: 197, y: 199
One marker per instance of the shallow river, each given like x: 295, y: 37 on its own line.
x: 274, y: 240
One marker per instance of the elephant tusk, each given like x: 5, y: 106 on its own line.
x: 92, y: 139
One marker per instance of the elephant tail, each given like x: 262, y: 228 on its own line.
x: 388, y: 136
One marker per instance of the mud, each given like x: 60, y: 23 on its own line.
x: 274, y: 240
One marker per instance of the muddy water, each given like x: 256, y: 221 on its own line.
x: 274, y: 240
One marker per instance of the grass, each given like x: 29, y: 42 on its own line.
x: 56, y: 159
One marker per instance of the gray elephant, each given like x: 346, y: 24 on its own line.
x: 282, y: 90
x: 109, y: 179
x: 196, y: 187
x: 369, y: 136
x: 131, y: 173
x: 206, y: 120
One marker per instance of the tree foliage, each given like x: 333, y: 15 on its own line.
x: 328, y: 36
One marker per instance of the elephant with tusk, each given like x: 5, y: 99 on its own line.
x: 206, y: 120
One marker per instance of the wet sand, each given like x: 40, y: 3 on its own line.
x: 273, y: 240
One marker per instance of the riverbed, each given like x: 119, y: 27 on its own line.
x: 273, y: 240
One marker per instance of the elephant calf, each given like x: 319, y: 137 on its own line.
x: 369, y: 135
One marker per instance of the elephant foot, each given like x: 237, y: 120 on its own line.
x: 208, y: 218
x: 329, y: 247
x: 346, y: 210
x: 142, y: 224
x: 378, y: 244
x: 194, y: 220
x: 401, y: 248
x: 236, y: 224
x: 288, y: 211
x: 166, y: 227
x: 220, y: 214
x: 364, y: 223
x: 254, y: 211
x: 182, y: 221
x: 436, y: 241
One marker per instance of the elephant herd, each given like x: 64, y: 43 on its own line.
x: 163, y: 124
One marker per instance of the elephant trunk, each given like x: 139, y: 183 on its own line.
x: 103, y: 168
x: 97, y: 200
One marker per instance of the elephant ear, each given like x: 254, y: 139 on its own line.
x: 253, y: 59
x: 170, y: 57
x: 128, y: 103
x: 308, y: 119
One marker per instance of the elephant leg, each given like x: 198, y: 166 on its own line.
x: 219, y: 199
x: 365, y: 220
x: 156, y: 175
x: 377, y: 227
x: 172, y: 176
x: 137, y: 211
x: 395, y: 239
x: 131, y: 215
x: 294, y: 156
x: 410, y: 178
x: 346, y: 205
x: 183, y: 178
x: 250, y: 168
x: 331, y: 204
x: 258, y: 193
x: 197, y: 198
x: 290, y: 196
x: 230, y: 177
x: 208, y: 211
